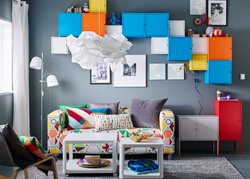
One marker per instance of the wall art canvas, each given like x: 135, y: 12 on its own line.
x: 197, y: 7
x: 101, y: 74
x: 132, y: 73
x: 176, y: 71
x: 217, y: 11
x: 157, y: 71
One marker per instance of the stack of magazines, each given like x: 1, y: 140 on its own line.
x: 143, y: 166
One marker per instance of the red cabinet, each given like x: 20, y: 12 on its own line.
x: 230, y: 120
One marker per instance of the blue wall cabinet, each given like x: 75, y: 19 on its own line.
x: 180, y: 48
x: 157, y: 25
x: 133, y: 24
x: 219, y: 72
x: 145, y: 24
x: 70, y: 23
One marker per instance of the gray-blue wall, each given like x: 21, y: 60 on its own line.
x: 183, y: 99
x: 6, y: 100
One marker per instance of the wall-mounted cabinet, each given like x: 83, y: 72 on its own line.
x: 59, y: 45
x: 98, y: 6
x: 159, y: 45
x: 220, y: 48
x: 145, y: 24
x: 69, y: 23
x: 219, y: 72
x: 112, y: 29
x: 200, y: 45
x: 95, y: 22
x: 198, y: 62
x: 180, y: 48
x: 177, y: 28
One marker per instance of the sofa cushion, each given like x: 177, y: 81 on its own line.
x: 109, y: 122
x: 5, y: 155
x: 145, y: 113
x: 113, y: 107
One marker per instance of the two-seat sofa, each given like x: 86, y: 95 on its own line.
x: 57, y: 131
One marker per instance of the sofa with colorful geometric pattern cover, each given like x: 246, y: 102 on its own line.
x: 57, y: 132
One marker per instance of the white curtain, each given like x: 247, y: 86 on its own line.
x: 21, y: 119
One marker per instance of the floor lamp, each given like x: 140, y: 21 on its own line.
x: 37, y: 63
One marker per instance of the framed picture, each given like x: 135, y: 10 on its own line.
x: 101, y: 74
x: 157, y: 71
x: 198, y: 7
x: 176, y: 71
x: 217, y: 11
x: 131, y: 74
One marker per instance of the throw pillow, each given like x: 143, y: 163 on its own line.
x: 34, y: 146
x: 113, y: 107
x: 109, y: 122
x: 83, y: 118
x: 63, y: 108
x: 145, y: 113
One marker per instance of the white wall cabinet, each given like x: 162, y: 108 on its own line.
x: 200, y: 45
x: 159, y: 45
x: 111, y: 29
x: 198, y: 128
x: 177, y: 28
x: 59, y: 45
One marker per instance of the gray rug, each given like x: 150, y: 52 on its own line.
x: 178, y: 168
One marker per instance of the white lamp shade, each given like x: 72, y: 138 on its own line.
x: 52, y: 81
x: 36, y: 63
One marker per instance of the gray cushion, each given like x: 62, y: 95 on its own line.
x: 113, y: 107
x: 145, y: 113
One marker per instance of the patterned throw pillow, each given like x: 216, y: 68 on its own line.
x: 34, y: 146
x: 108, y: 122
x: 83, y: 118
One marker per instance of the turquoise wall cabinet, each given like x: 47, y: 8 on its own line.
x: 180, y: 48
x: 219, y: 72
x: 145, y: 24
x: 69, y: 23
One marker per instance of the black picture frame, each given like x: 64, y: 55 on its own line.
x: 95, y: 74
x: 218, y: 15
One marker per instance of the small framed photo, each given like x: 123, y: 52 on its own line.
x: 198, y: 7
x: 217, y: 12
x: 101, y: 74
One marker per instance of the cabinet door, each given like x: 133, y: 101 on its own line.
x: 98, y: 6
x: 69, y: 23
x: 157, y: 24
x: 230, y: 120
x: 219, y: 72
x: 133, y: 24
x: 177, y: 28
x: 94, y: 22
x: 220, y: 48
x: 200, y: 45
x: 112, y: 29
x: 207, y: 128
x: 198, y: 62
x: 180, y: 48
x: 188, y: 129
x: 159, y: 45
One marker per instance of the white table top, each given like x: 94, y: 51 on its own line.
x: 149, y: 142
x: 91, y: 137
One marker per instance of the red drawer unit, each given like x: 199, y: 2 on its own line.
x: 230, y: 120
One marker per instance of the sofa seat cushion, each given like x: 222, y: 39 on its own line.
x: 107, y: 148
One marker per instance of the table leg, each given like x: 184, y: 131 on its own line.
x: 160, y: 160
x: 114, y: 157
x: 64, y: 158
x: 121, y: 162
x: 241, y: 146
x: 70, y: 151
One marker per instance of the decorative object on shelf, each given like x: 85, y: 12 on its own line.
x: 93, y: 162
x: 176, y: 71
x: 86, y: 7
x: 219, y: 94
x: 37, y: 63
x: 190, y: 32
x: 132, y: 73
x: 217, y: 10
x: 89, y: 49
x: 218, y: 32
x: 136, y: 136
x: 197, y: 21
x: 116, y: 19
x: 101, y: 74
x: 209, y: 30
x: 75, y: 9
x: 197, y: 7
x: 157, y: 71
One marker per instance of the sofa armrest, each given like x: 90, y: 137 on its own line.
x: 56, y: 124
x: 167, y: 126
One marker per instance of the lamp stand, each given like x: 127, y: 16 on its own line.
x: 42, y: 94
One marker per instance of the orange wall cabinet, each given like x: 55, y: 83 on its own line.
x: 95, y: 22
x: 220, y: 48
x: 98, y: 6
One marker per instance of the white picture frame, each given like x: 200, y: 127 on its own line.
x: 217, y: 11
x: 176, y: 71
x: 131, y: 74
x: 59, y: 45
x: 157, y: 71
x: 198, y: 7
x: 101, y: 74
